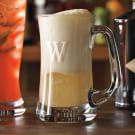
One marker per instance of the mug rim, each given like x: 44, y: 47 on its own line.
x: 43, y: 15
x: 49, y: 15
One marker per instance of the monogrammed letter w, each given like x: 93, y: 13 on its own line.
x: 57, y: 50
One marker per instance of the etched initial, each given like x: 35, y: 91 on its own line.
x: 57, y: 50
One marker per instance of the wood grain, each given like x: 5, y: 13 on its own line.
x: 109, y: 121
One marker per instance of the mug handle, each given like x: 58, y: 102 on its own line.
x: 116, y: 75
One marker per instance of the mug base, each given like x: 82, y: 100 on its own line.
x: 84, y: 113
x: 10, y: 109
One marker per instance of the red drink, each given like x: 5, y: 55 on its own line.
x: 12, y: 19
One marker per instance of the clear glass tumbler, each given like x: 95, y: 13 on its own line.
x: 12, y: 20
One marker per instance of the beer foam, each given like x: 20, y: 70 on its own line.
x: 65, y: 41
x: 74, y: 12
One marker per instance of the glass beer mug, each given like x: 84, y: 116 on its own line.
x: 66, y: 87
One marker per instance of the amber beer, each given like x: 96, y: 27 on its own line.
x: 12, y: 19
x: 65, y: 89
x: 65, y: 69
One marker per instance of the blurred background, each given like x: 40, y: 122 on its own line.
x: 104, y: 10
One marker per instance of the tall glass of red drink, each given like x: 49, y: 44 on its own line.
x: 12, y: 20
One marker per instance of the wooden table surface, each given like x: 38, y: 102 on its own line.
x: 109, y: 121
